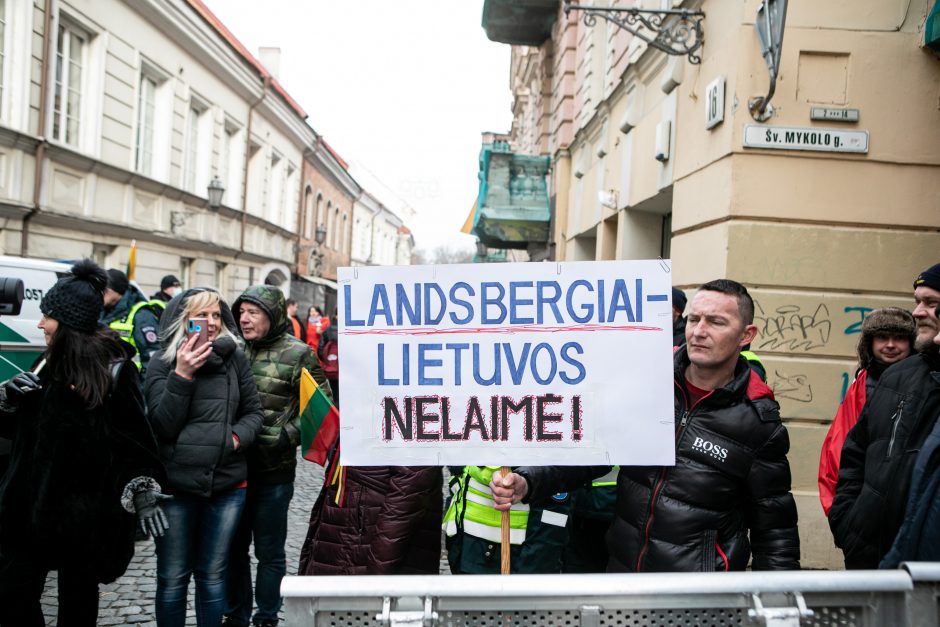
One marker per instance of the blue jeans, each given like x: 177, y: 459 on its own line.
x: 197, y: 543
x: 265, y: 520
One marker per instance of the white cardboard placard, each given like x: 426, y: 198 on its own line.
x: 506, y: 364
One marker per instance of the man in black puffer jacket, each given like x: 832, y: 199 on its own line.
x: 879, y: 452
x: 731, y: 479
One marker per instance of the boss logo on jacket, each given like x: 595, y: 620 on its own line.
x: 709, y: 448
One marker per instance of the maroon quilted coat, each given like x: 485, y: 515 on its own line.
x: 390, y: 523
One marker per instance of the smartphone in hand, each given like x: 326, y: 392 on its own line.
x: 200, y: 328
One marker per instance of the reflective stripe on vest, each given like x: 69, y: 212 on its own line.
x: 480, y: 518
x: 125, y: 326
x: 609, y: 479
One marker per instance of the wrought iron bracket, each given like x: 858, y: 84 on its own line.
x: 673, y: 31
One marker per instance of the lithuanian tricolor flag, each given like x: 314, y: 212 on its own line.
x: 319, y: 420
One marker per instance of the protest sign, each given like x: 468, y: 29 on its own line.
x: 496, y: 364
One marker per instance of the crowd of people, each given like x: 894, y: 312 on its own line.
x: 178, y: 417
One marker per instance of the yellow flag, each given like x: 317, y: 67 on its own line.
x: 132, y: 261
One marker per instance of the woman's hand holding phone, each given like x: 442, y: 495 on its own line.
x: 191, y: 356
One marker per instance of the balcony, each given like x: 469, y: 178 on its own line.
x: 513, y: 209
x: 520, y: 22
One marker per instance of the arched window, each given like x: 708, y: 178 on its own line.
x: 308, y: 213
x: 319, y: 210
x: 344, y: 234
x: 334, y: 236
x: 329, y: 223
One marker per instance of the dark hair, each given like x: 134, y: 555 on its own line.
x: 727, y: 286
x: 83, y: 361
x: 289, y: 302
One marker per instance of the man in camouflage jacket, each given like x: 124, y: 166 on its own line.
x: 277, y: 359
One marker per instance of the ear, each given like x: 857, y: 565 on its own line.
x: 750, y: 332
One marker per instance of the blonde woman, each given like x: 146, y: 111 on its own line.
x: 204, y: 410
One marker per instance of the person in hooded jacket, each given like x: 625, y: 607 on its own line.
x: 887, y: 337
x: 728, y: 496
x: 277, y: 359
x: 205, y: 411
x: 84, y: 460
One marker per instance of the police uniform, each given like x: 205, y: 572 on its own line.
x: 537, y: 532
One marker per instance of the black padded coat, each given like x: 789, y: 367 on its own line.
x: 726, y: 498
x: 194, y: 419
x: 878, y: 459
x: 388, y: 523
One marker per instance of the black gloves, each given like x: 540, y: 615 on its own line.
x: 15, y: 389
x: 21, y: 385
x: 151, y: 516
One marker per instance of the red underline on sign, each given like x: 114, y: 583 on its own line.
x: 524, y: 328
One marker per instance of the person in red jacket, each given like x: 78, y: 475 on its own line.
x: 887, y: 337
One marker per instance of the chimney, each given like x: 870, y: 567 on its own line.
x: 270, y: 58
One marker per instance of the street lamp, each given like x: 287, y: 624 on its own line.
x: 316, y: 255
x: 215, y: 192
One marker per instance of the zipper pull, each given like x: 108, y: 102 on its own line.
x: 685, y: 419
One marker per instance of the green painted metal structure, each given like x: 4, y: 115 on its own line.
x: 520, y: 22
x: 513, y: 209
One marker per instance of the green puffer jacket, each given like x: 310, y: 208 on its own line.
x: 276, y: 362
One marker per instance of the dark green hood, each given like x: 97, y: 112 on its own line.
x: 272, y: 301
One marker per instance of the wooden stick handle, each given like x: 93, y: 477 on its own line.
x: 504, y: 543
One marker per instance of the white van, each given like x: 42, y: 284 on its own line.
x: 21, y: 341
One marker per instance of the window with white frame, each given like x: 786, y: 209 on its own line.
x: 152, y: 144
x: 196, y: 156
x: 276, y: 187
x: 288, y: 209
x: 3, y: 51
x: 67, y: 97
x: 231, y: 164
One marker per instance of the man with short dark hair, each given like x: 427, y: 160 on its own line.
x: 296, y: 327
x: 878, y: 455
x: 127, y: 311
x: 698, y: 514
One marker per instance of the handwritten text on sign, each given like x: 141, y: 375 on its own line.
x: 506, y: 363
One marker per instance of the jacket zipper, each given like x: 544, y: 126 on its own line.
x: 896, y: 420
x: 662, y: 475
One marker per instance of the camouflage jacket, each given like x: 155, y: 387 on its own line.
x: 276, y: 362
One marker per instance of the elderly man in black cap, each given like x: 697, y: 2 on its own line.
x: 127, y: 311
x: 878, y: 456
x: 169, y: 287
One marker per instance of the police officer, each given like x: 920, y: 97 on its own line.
x: 537, y: 532
x: 127, y: 311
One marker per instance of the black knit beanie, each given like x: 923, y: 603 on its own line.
x: 76, y: 300
x: 679, y: 300
x: 117, y: 281
x: 929, y: 277
x: 885, y: 321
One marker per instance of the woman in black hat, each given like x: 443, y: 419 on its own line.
x: 84, y: 460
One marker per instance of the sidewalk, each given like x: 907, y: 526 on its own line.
x: 129, y: 600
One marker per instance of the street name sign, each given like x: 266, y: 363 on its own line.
x: 507, y: 364
x: 795, y: 138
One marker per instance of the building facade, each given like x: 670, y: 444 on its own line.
x: 116, y: 116
x: 825, y: 210
x: 325, y: 237
x: 380, y: 237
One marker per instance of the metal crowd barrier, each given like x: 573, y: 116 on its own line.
x: 908, y: 596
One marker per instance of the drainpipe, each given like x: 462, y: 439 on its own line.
x: 41, y: 132
x: 251, y: 109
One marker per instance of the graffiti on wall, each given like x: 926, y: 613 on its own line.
x: 791, y: 328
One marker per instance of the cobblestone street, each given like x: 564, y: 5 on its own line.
x: 129, y: 600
